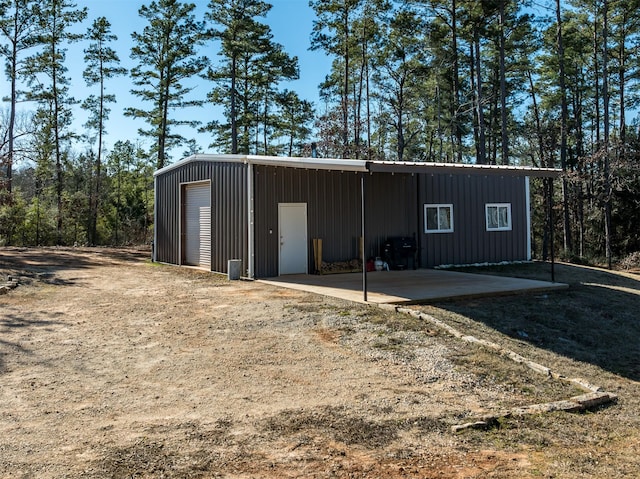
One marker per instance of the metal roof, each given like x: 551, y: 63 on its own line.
x: 369, y: 166
x: 460, y: 168
x: 283, y: 161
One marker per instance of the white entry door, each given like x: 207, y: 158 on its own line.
x: 292, y: 232
x: 197, y: 208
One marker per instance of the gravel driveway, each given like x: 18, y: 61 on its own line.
x: 112, y: 366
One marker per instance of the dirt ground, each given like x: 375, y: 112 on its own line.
x: 112, y: 366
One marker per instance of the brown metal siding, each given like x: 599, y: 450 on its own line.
x: 228, y: 211
x: 391, y: 209
x: 470, y: 242
x: 395, y: 207
x: 333, y: 211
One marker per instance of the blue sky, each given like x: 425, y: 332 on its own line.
x: 291, y: 23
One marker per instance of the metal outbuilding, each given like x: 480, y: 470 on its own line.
x: 273, y: 212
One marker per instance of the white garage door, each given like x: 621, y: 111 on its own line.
x: 197, y: 203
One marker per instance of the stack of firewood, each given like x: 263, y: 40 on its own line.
x: 351, y: 266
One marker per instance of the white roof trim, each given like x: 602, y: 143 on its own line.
x: 428, y: 167
x: 459, y: 165
x: 362, y: 165
x: 282, y: 161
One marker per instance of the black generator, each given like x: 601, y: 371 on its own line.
x: 400, y: 252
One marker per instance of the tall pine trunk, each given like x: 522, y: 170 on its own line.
x: 605, y: 101
x: 564, y: 114
x: 503, y: 90
x: 13, y: 72
x: 481, y: 146
x: 345, y: 86
x: 56, y: 135
x: 233, y: 113
x: 457, y: 127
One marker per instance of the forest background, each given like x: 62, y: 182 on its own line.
x: 549, y: 83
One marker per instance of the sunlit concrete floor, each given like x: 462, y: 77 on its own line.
x: 412, y: 286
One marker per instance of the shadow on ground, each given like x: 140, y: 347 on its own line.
x: 595, y: 321
x: 43, y: 265
x: 11, y: 321
x: 46, y: 262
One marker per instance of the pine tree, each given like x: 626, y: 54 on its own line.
x: 295, y: 116
x: 43, y: 146
x: 47, y: 77
x: 167, y: 54
x: 19, y: 27
x: 563, y: 126
x: 274, y: 67
x: 130, y: 206
x: 451, y: 88
x: 402, y: 69
x: 246, y: 78
x: 101, y: 65
x: 350, y: 32
x: 332, y: 32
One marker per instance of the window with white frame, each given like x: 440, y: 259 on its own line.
x: 438, y: 218
x: 498, y: 216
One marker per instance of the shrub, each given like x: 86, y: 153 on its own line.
x: 631, y: 261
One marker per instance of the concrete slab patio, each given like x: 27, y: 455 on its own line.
x: 413, y: 286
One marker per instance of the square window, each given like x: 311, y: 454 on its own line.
x: 498, y: 216
x: 438, y: 218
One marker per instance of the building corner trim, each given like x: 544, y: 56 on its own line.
x: 527, y: 199
x: 154, y: 245
x: 250, y: 223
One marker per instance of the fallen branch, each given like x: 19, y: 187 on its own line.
x: 575, y: 404
x: 11, y: 283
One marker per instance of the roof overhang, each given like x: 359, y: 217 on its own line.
x: 461, y: 168
x: 279, y: 161
x: 368, y: 166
